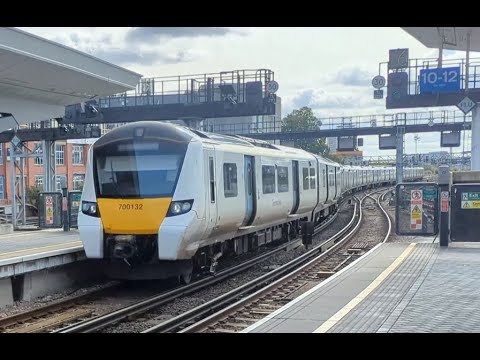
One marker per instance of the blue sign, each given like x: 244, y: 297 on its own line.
x: 445, y: 80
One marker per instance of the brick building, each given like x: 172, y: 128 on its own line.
x: 70, y: 161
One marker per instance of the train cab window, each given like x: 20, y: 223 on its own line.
x: 305, y: 179
x: 230, y: 180
x: 313, y: 178
x: 268, y: 179
x: 282, y: 178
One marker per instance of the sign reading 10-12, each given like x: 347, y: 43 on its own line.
x: 440, y: 80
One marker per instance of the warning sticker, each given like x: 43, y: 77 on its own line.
x: 49, y: 210
x: 416, y: 213
x: 416, y: 216
x: 470, y: 204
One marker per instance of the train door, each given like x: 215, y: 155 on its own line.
x: 336, y: 182
x: 296, y: 191
x: 328, y: 180
x: 250, y: 202
x: 211, y: 201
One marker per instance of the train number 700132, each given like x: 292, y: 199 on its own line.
x: 130, y: 206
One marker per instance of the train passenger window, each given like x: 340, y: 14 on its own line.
x: 268, y: 179
x: 282, y: 178
x: 324, y: 177
x: 230, y: 179
x: 312, y: 178
x: 331, y: 181
x: 305, y: 179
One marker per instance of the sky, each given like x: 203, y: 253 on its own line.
x: 328, y: 69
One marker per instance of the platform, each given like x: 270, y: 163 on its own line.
x: 396, y: 287
x: 19, y: 250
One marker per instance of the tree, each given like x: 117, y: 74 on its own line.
x: 304, y: 120
x: 335, y: 157
x: 32, y: 193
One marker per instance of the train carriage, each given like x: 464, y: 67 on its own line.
x: 161, y: 200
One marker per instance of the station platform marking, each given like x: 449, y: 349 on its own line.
x: 328, y: 324
x: 41, y: 249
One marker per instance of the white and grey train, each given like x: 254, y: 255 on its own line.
x: 161, y: 200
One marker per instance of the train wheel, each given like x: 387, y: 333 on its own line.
x: 186, y: 278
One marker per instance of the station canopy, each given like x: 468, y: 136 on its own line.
x: 38, y: 78
x: 454, y: 38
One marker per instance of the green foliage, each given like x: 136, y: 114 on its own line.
x: 335, y: 157
x: 32, y: 193
x: 303, y: 120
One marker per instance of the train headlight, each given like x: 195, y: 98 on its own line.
x: 90, y: 208
x: 179, y: 207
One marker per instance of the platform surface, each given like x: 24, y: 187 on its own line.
x: 42, y: 242
x: 396, y: 287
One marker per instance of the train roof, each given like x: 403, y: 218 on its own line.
x: 182, y: 133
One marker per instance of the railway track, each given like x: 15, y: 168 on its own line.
x: 98, y: 323
x: 79, y: 309
x: 83, y: 319
x: 55, y: 314
x: 228, y: 314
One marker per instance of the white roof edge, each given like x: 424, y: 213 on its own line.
x: 74, y: 50
x: 36, y: 47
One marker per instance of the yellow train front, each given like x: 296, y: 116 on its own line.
x: 132, y: 175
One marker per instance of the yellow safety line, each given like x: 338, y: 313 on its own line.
x: 58, y: 246
x: 327, y: 325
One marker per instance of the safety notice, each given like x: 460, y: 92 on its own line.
x: 470, y: 204
x: 416, y: 209
x: 49, y: 210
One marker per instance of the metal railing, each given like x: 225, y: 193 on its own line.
x: 191, y: 89
x: 433, y: 117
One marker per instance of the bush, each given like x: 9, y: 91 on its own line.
x: 32, y: 193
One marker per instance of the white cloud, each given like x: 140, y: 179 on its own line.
x: 328, y: 69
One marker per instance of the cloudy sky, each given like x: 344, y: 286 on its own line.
x: 327, y: 69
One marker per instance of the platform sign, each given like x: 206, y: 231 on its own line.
x: 443, y: 80
x: 416, y: 207
x: 429, y: 194
x: 470, y: 200
x: 444, y: 201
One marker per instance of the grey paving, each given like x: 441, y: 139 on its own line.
x: 385, y: 303
x: 433, y: 290
x: 445, y: 298
x: 324, y: 300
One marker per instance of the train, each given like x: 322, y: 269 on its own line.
x: 166, y: 201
